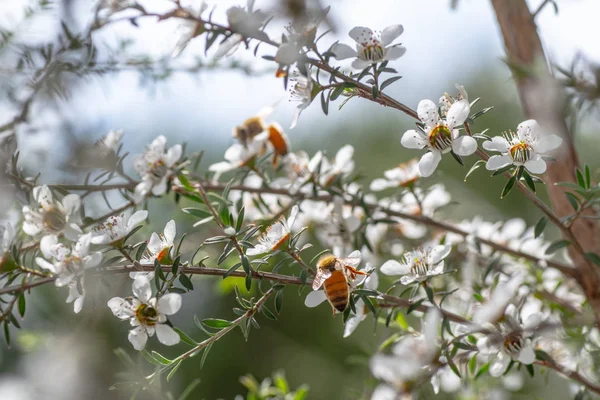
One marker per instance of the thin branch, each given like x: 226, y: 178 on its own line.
x: 574, y: 375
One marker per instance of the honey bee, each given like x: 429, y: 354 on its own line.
x: 335, y: 275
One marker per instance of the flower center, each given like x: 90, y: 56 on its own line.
x: 159, y: 170
x: 54, y: 220
x: 440, y: 138
x: 73, y: 264
x: 163, y: 256
x: 146, y: 314
x: 372, y: 51
x: 521, y: 152
x: 419, y: 267
x: 513, y: 343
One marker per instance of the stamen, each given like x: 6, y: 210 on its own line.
x: 440, y: 138
x: 54, y: 220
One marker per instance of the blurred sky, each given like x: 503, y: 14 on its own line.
x: 444, y: 46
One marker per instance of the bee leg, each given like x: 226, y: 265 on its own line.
x: 354, y: 271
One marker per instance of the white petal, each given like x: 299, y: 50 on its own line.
x: 170, y: 231
x: 78, y: 304
x: 71, y: 203
x: 229, y: 45
x: 497, y: 143
x: 413, y: 139
x: 136, y: 218
x: 384, y: 392
x: 464, y: 145
x: 46, y: 245
x: 458, y: 113
x: 497, y: 162
x: 93, y: 260
x: 141, y: 288
x: 439, y: 253
x: 154, y: 244
x: 499, y: 365
x: 138, y: 338
x: 293, y: 216
x: 393, y: 267
x: 390, y: 34
x: 536, y: 166
x: 429, y: 163
x: 344, y: 156
x: 352, y: 322
x: 529, y: 131
x: 431, y: 326
x: 372, y: 281
x: 359, y: 33
x: 315, y: 298
x: 428, y: 112
x: 45, y: 265
x: 407, y: 279
x: 527, y: 355
x: 286, y: 54
x: 514, y: 228
x: 380, y: 184
x: 166, y: 335
x: 173, y: 155
x: 169, y: 304
x: 548, y: 143
x: 342, y: 51
x: 296, y: 117
x: 42, y: 195
x: 72, y: 232
x: 360, y: 64
x: 394, y: 53
x: 221, y: 167
x: 258, y: 250
x: 160, y: 188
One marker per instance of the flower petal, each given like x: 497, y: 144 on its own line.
x: 497, y: 162
x: 314, y: 298
x: 138, y: 338
x: 169, y: 304
x: 170, y: 231
x: 498, y: 143
x: 393, y: 267
x: 529, y: 131
x: 173, y: 155
x: 395, y: 52
x: 71, y: 203
x: 167, y: 335
x: 428, y: 112
x: 343, y: 51
x: 136, y: 218
x: 438, y: 253
x: 46, y: 245
x: 360, y: 64
x: 536, y: 166
x: 42, y: 195
x: 527, y: 355
x: 413, y: 139
x: 458, y: 113
x: 353, y: 322
x: 429, y: 163
x: 45, y: 265
x: 380, y: 184
x: 464, y: 145
x: 391, y: 33
x: 360, y: 33
x: 499, y: 365
x: 548, y: 143
x: 229, y: 46
x: 141, y: 288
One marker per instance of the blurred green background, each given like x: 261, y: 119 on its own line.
x: 306, y: 343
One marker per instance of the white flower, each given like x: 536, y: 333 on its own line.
x: 68, y: 264
x: 371, y: 47
x: 493, y: 310
x: 526, y: 148
x: 275, y: 236
x: 245, y: 23
x: 111, y: 140
x: 189, y: 29
x: 240, y: 155
x: 439, y: 134
x: 52, y: 217
x: 511, y: 342
x: 147, y: 314
x: 409, y: 359
x: 341, y: 166
x: 404, y: 175
x: 116, y: 227
x: 300, y: 90
x: 371, y: 283
x: 155, y: 167
x: 418, y: 265
x: 160, y: 248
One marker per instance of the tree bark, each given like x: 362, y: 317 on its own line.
x: 542, y: 100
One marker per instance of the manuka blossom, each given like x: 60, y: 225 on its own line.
x: 159, y: 248
x: 116, y: 227
x: 418, y: 265
x: 147, y: 314
x: 68, y: 264
x: 371, y: 47
x: 245, y: 22
x: 275, y: 236
x: 512, y: 341
x: 371, y: 283
x: 155, y: 167
x: 439, y: 134
x: 404, y: 175
x: 342, y: 165
x: 52, y: 216
x: 300, y: 90
x: 525, y: 148
x: 240, y: 154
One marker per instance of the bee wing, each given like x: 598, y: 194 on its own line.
x: 322, y: 275
x: 353, y: 260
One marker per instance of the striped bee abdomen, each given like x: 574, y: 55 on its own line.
x: 336, y: 289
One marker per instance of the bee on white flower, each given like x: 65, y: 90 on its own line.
x: 155, y: 167
x: 116, y: 227
x: 146, y: 314
x: 525, y: 148
x: 371, y: 47
x: 159, y: 248
x: 512, y: 341
x: 52, y: 216
x: 275, y: 236
x: 439, y: 133
x: 68, y: 264
x: 418, y: 265
x: 404, y: 175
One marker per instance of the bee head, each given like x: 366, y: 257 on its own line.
x: 327, y: 261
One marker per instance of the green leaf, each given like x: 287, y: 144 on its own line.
x: 22, y: 304
x: 572, y: 200
x: 503, y: 170
x: 152, y: 360
x: 186, y: 282
x: 374, y: 92
x: 365, y: 292
x: 530, y: 369
x: 414, y: 306
x: 189, y: 389
x: 240, y: 219
x: 205, y: 354
x: 556, y: 245
x: 185, y: 182
x: 324, y: 103
x: 161, y: 358
x: 475, y: 166
x: 429, y: 292
x: 593, y: 257
x: 453, y: 367
x: 540, y: 226
x: 301, y: 393
x: 336, y: 92
x: 278, y: 301
x: 483, y: 370
x: 246, y: 265
x: 509, y: 185
x: 473, y: 364
x: 268, y: 313
x: 388, y: 82
x: 185, y: 338
x: 173, y: 371
x: 175, y: 266
x: 542, y: 355
x: 281, y: 382
x: 528, y: 180
x: 216, y: 323
x: 457, y: 158
x: 580, y: 179
x: 588, y: 177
